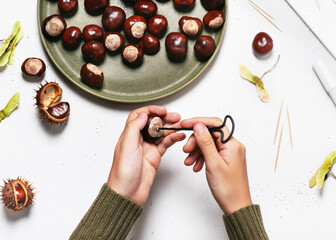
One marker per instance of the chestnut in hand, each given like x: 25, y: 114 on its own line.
x: 262, y: 44
x: 135, y: 27
x: 92, y: 32
x: 204, y: 47
x: 176, y: 46
x: 213, y: 4
x: 96, y: 7
x: 191, y: 26
x: 92, y: 75
x: 67, y: 7
x: 184, y: 5
x: 113, y: 18
x: 93, y: 51
x: 145, y: 8
x: 132, y: 55
x: 72, y: 37
x: 113, y: 41
x: 150, y: 44
x: 151, y: 132
x: 157, y: 25
x: 214, y: 19
x: 53, y: 26
x: 33, y: 67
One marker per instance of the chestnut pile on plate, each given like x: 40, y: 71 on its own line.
x: 134, y: 36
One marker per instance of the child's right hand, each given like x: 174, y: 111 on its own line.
x: 225, y: 163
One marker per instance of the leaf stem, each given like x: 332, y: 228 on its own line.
x: 272, y: 67
x: 332, y: 174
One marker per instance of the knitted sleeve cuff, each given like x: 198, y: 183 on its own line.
x: 245, y: 224
x: 111, y: 216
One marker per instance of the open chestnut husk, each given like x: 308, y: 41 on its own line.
x: 145, y: 8
x: 92, y: 75
x: 213, y: 4
x: 214, y: 19
x: 95, y: 7
x: 190, y: 26
x: 53, y: 26
x: 93, y: 51
x: 176, y: 46
x: 47, y: 98
x: 92, y: 32
x: 184, y: 5
x: 151, y: 132
x: 150, y: 44
x: 67, y: 7
x: 113, y: 18
x: 135, y: 27
x: 33, y: 67
x: 113, y: 41
x: 17, y: 194
x: 262, y: 44
x: 72, y: 37
x: 204, y: 47
x: 157, y: 25
x: 132, y: 55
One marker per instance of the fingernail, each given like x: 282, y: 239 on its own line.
x: 141, y: 115
x: 199, y: 128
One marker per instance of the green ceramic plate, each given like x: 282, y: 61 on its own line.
x: 156, y: 78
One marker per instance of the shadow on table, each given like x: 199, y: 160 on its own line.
x: 15, y: 216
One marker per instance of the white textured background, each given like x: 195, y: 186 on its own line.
x: 69, y: 165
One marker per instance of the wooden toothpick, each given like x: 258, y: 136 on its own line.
x: 290, y: 130
x: 277, y: 157
x: 277, y: 127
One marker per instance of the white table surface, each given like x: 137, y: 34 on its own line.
x: 68, y: 165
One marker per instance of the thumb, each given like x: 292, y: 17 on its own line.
x: 134, y: 127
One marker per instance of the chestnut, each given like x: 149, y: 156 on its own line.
x: 53, y: 26
x: 204, y: 47
x: 92, y: 75
x: 176, y: 46
x: 59, y: 110
x: 113, y: 41
x: 132, y: 55
x: 96, y: 7
x: 33, y: 67
x: 67, y: 7
x: 72, y: 37
x: 214, y: 19
x: 184, y: 5
x: 92, y: 32
x: 262, y: 44
x: 157, y: 25
x: 135, y: 27
x: 190, y: 26
x: 145, y: 8
x: 213, y: 4
x: 113, y: 18
x: 151, y: 132
x: 150, y: 44
x: 93, y: 51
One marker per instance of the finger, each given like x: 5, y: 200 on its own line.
x: 168, y: 132
x: 199, y: 164
x: 193, y: 157
x: 190, y: 145
x: 153, y: 109
x: 172, y: 118
x: 170, y: 140
x: 133, y: 129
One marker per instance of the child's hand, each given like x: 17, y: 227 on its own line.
x: 135, y: 161
x: 225, y: 163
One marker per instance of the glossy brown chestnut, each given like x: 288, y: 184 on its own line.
x: 135, y: 27
x: 67, y: 6
x: 59, y: 110
x: 262, y: 44
x: 184, y: 5
x: 132, y: 55
x: 113, y: 18
x: 92, y: 75
x: 53, y: 26
x: 95, y: 7
x: 150, y: 44
x: 145, y: 8
x: 176, y: 46
x: 33, y: 67
x: 157, y: 25
x: 72, y: 37
x: 20, y: 193
x: 151, y: 132
x: 93, y: 51
x: 204, y: 47
x: 92, y: 32
x: 190, y: 26
x: 214, y: 19
x: 213, y: 4
x: 113, y: 41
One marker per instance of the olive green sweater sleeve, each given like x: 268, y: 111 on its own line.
x: 245, y: 224
x: 110, y: 217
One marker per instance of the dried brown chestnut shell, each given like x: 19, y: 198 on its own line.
x: 113, y: 41
x: 92, y: 75
x: 53, y: 26
x: 262, y: 44
x: 113, y: 18
x: 184, y: 5
x: 150, y: 44
x: 67, y: 7
x: 176, y: 46
x: 33, y: 67
x: 92, y: 32
x: 204, y: 47
x: 157, y: 25
x: 135, y: 27
x: 132, y: 55
x: 151, y: 132
x: 95, y: 7
x: 72, y: 37
x: 213, y: 4
x: 145, y: 8
x: 190, y: 26
x: 214, y: 19
x: 93, y: 51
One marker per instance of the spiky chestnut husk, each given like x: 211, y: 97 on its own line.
x: 17, y: 194
x: 47, y: 97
